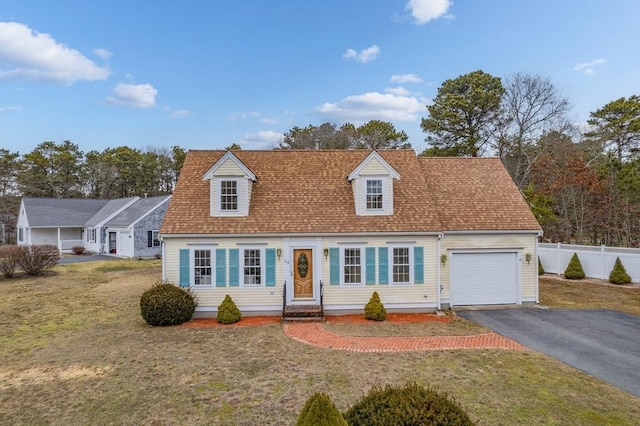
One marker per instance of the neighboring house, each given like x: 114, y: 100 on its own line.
x: 298, y: 227
x: 125, y: 227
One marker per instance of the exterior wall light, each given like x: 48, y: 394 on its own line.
x: 279, y: 253
x: 527, y: 257
x: 443, y: 259
x: 326, y: 253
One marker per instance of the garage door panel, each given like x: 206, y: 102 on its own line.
x: 484, y: 278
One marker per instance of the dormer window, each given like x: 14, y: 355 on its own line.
x: 230, y: 186
x: 229, y: 195
x: 372, y: 183
x: 374, y: 194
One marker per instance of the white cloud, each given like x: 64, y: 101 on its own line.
x: 32, y: 56
x: 365, y: 55
x: 132, y: 95
x: 265, y: 139
x: 181, y: 113
x: 588, y: 67
x: 102, y: 53
x: 424, y: 11
x: 268, y: 120
x: 372, y: 106
x: 398, y: 91
x: 405, y: 78
x: 10, y: 108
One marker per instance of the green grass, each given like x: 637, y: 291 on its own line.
x: 76, y: 351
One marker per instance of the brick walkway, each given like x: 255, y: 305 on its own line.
x: 314, y: 334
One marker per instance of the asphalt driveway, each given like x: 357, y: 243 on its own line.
x: 603, y: 343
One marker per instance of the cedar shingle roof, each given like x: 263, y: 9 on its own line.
x: 308, y: 192
x: 476, y: 194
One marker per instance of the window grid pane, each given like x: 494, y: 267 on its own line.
x: 202, y: 267
x: 401, y: 265
x: 228, y: 195
x: 374, y: 194
x: 252, y: 267
x: 352, y: 266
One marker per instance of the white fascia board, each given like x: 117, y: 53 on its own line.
x: 166, y: 200
x: 230, y: 156
x: 489, y: 232
x: 374, y: 154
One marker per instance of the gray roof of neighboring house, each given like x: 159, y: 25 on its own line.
x: 61, y: 212
x: 109, y: 209
x: 136, y: 211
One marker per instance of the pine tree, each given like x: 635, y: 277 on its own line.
x: 618, y: 274
x: 574, y: 269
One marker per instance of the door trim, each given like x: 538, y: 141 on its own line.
x: 315, y: 245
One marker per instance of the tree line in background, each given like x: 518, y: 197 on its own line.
x: 583, y: 184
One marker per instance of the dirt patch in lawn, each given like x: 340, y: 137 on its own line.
x: 37, y: 375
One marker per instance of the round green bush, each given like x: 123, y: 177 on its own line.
x: 619, y: 274
x: 374, y: 309
x: 228, y: 312
x: 167, y: 304
x: 319, y: 410
x: 411, y: 404
x: 574, y: 269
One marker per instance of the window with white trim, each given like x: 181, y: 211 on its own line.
x: 155, y: 238
x: 252, y: 269
x: 352, y: 266
x: 91, y: 235
x: 229, y: 195
x: 202, y: 267
x: 374, y: 198
x: 401, y: 265
x: 21, y: 234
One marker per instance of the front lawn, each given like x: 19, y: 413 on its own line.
x: 75, y: 350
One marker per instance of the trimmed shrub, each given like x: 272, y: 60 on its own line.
x: 34, y: 260
x: 574, y: 269
x: 228, y: 312
x: 374, y: 309
x: 319, y: 410
x: 78, y: 249
x: 167, y: 304
x: 618, y: 274
x: 8, y: 259
x: 411, y: 404
x: 540, y: 268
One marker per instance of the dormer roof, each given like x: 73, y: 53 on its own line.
x: 229, y: 165
x: 373, y: 164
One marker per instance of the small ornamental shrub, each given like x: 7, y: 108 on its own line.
x: 374, y: 309
x: 78, y: 249
x: 618, y: 274
x: 34, y: 260
x: 167, y: 304
x: 228, y: 312
x: 574, y: 269
x: 409, y: 405
x: 8, y: 259
x: 319, y: 410
x: 540, y: 268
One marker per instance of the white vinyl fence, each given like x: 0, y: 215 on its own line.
x: 597, y: 261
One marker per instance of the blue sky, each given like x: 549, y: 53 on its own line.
x: 206, y: 74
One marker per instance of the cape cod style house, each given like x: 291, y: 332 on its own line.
x: 124, y: 227
x: 304, y: 228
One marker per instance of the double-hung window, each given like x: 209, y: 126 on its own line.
x: 202, y: 267
x: 374, y: 194
x: 252, y: 267
x: 229, y: 195
x: 352, y: 263
x: 91, y: 235
x: 401, y: 265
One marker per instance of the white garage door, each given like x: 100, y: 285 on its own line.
x: 484, y: 278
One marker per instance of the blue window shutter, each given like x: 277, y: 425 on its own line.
x: 418, y: 265
x: 221, y: 267
x: 334, y: 266
x: 370, y: 256
x: 234, y: 268
x: 383, y: 265
x: 185, y: 266
x: 270, y: 255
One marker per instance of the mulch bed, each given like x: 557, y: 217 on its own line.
x: 394, y: 318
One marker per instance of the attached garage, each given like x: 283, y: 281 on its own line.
x: 485, y: 278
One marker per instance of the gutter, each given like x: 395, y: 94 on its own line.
x: 439, y: 279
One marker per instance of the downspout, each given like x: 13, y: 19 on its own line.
x: 537, y: 264
x: 439, y: 281
x: 164, y: 268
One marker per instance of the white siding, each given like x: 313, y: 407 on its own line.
x: 228, y: 168
x: 522, y: 243
x: 374, y: 167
